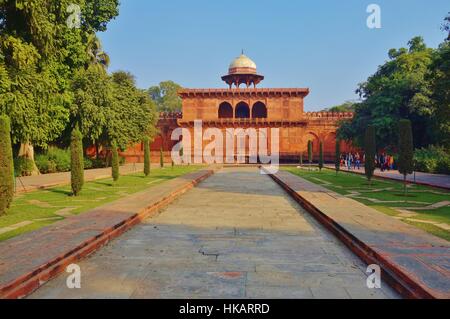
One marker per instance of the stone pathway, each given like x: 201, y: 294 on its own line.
x: 424, y: 178
x: 30, y: 183
x: 236, y: 235
x: 403, y: 249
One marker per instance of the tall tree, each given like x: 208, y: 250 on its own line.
x: 115, y: 162
x: 321, y: 155
x: 310, y: 152
x: 6, y: 165
x: 370, y: 151
x: 166, y: 97
x: 405, y: 150
x: 337, y: 156
x: 76, y: 162
x: 399, y: 89
x: 146, y: 156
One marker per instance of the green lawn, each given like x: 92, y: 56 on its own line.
x: 43, y: 207
x: 386, y: 196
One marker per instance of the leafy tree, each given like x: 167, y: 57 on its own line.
x: 161, y: 158
x: 77, y: 162
x: 115, y: 162
x: 399, y: 89
x: 321, y: 155
x: 131, y: 115
x: 370, y: 151
x: 6, y: 165
x: 348, y: 106
x: 337, y: 156
x: 310, y: 152
x: 405, y: 161
x: 39, y: 54
x: 146, y: 156
x: 166, y: 97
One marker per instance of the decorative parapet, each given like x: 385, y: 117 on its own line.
x: 220, y: 93
x: 330, y: 115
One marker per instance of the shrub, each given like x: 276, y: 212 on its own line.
x: 23, y: 166
x: 146, y: 156
x: 115, y: 162
x: 321, y: 155
x: 44, y: 165
x: 77, y: 162
x: 431, y: 159
x: 54, y: 160
x: 6, y: 165
x: 443, y: 165
x: 370, y: 150
x: 88, y: 163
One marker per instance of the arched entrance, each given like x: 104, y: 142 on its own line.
x: 259, y: 110
x: 242, y: 111
x: 225, y: 111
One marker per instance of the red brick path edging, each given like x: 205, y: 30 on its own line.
x: 405, y: 284
x: 27, y: 283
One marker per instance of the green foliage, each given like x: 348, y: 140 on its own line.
x: 321, y: 155
x: 370, y: 151
x: 432, y: 159
x: 165, y: 96
x: 337, y: 156
x: 131, y: 115
x: 6, y: 165
x: 413, y: 84
x: 405, y: 148
x: 115, y: 162
x: 310, y: 152
x: 161, y: 158
x: 23, y: 166
x: 77, y: 162
x: 344, y: 107
x: 54, y: 160
x: 146, y: 156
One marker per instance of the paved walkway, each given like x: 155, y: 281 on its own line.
x: 30, y: 259
x: 406, y: 250
x: 423, y: 178
x: 30, y: 183
x: 236, y: 235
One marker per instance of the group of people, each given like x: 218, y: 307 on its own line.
x: 351, y: 160
x: 384, y: 162
x: 354, y: 161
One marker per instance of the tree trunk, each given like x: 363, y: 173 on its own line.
x: 27, y: 150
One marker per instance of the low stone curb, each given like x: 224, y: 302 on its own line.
x: 404, y: 283
x: 28, y: 282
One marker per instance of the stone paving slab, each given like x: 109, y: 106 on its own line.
x: 416, y: 260
x: 29, y: 260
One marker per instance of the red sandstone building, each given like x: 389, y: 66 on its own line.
x: 243, y: 105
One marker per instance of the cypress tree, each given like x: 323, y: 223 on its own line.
x: 310, y: 152
x: 76, y: 161
x: 146, y: 156
x: 6, y: 165
x: 337, y: 156
x: 301, y: 159
x: 115, y: 162
x: 321, y: 156
x: 405, y: 150
x: 370, y: 150
x: 161, y: 158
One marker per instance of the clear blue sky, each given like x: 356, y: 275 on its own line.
x: 324, y: 45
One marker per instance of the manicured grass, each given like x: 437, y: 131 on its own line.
x: 44, y: 207
x: 386, y: 196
